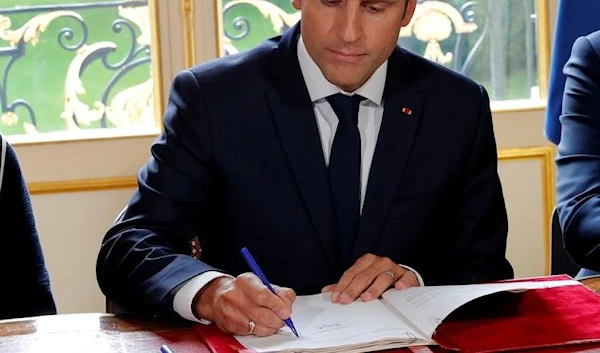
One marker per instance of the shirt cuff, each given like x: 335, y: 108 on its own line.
x: 182, y: 303
x: 419, y: 278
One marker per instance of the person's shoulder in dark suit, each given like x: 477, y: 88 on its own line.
x: 434, y: 77
x: 463, y: 97
x: 244, y: 72
x: 578, y: 159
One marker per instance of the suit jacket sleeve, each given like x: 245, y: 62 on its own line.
x: 27, y: 290
x: 480, y: 225
x: 144, y: 257
x: 578, y: 159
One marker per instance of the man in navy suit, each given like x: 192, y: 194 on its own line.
x: 578, y: 159
x: 344, y: 163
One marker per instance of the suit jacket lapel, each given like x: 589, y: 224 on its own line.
x: 396, y: 135
x: 294, y: 118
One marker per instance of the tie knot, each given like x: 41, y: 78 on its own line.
x: 345, y: 107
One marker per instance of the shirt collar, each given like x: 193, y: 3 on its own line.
x: 319, y: 88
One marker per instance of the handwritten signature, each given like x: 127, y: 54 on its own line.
x: 329, y: 326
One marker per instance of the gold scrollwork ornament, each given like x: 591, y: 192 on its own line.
x: 434, y: 22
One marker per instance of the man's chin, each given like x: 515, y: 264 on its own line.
x: 347, y: 86
x: 341, y: 80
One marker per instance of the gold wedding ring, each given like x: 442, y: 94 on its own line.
x: 251, y: 326
x: 391, y: 274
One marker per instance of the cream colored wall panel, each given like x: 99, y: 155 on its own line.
x: 520, y: 129
x: 553, y: 8
x: 523, y: 192
x: 206, y: 43
x: 172, y: 45
x: 71, y: 228
x: 83, y: 159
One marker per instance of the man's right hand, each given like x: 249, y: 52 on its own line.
x: 232, y: 303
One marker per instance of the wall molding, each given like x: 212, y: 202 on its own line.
x: 82, y: 185
x: 218, y: 5
x: 546, y: 155
x: 544, y: 45
x: 189, y: 33
x: 156, y: 62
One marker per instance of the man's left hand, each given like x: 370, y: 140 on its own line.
x: 368, y: 278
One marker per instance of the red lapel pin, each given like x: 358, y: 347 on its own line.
x: 407, y: 111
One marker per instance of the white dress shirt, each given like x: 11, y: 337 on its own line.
x: 370, y: 115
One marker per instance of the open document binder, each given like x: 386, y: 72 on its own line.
x: 543, y: 312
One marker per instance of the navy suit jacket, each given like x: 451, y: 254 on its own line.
x: 578, y: 159
x: 240, y: 163
x: 25, y: 282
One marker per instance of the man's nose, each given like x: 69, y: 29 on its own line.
x: 348, y: 23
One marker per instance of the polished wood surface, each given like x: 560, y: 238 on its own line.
x: 114, y: 334
x: 592, y: 282
x: 96, y: 333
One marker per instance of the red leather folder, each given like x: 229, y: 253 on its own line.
x: 218, y: 341
x: 558, y: 320
x: 566, y: 317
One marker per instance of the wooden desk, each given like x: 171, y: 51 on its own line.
x: 95, y: 333
x: 592, y: 282
x: 80, y: 333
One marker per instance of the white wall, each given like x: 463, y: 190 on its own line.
x: 527, y: 237
x: 71, y: 227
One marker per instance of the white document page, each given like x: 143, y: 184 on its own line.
x: 322, y: 324
x: 426, y: 307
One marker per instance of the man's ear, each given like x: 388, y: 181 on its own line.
x: 409, y: 11
x: 297, y: 4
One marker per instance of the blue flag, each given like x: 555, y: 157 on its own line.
x: 575, y: 18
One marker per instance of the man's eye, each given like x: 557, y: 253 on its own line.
x: 375, y: 8
x: 330, y: 2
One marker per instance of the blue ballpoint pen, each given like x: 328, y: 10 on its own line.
x: 258, y: 272
x: 165, y: 349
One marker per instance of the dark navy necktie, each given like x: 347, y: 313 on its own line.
x: 344, y: 169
